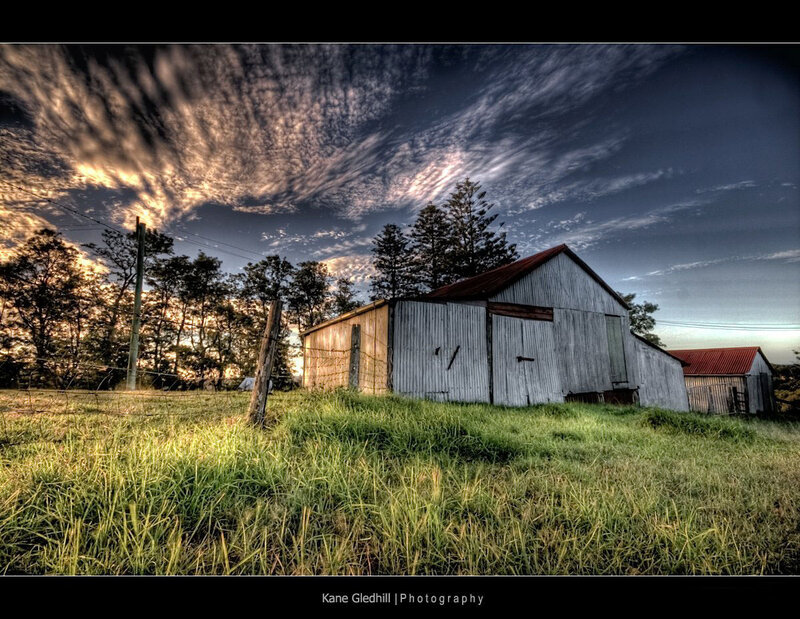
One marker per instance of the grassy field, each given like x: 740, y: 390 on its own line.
x: 341, y: 484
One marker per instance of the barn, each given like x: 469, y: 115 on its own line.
x: 545, y: 328
x: 728, y: 380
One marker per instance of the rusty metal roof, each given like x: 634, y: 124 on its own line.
x: 491, y: 282
x: 708, y: 361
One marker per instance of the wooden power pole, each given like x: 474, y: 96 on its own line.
x: 266, y: 358
x: 133, y: 354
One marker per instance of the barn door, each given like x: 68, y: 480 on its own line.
x: 524, y: 367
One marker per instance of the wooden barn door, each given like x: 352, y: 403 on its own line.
x: 524, y: 365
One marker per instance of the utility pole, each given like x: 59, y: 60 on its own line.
x: 266, y: 358
x: 133, y: 354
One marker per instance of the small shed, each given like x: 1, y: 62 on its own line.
x: 546, y: 328
x: 728, y: 380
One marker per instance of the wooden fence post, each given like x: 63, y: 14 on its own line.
x: 266, y: 357
x: 355, y: 357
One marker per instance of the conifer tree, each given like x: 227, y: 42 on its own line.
x: 394, y: 265
x: 476, y: 247
x: 432, y: 247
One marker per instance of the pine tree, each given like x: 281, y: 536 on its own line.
x: 344, y: 297
x: 432, y: 247
x: 395, y: 265
x: 476, y: 247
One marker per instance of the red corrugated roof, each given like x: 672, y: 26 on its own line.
x: 491, y: 282
x: 706, y: 361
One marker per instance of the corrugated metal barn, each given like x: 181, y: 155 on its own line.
x: 543, y: 329
x: 728, y: 380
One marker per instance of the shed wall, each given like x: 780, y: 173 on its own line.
x: 326, y: 353
x: 427, y: 336
x: 759, y: 386
x: 524, y: 361
x: 661, y: 380
x: 715, y: 394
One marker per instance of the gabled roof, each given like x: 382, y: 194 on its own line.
x: 726, y: 361
x: 492, y: 282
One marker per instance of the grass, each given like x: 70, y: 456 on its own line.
x: 348, y: 484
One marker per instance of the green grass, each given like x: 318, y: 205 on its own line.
x: 340, y: 484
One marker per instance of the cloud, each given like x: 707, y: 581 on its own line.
x: 789, y: 255
x: 192, y: 125
x: 582, y: 232
x: 274, y: 129
x: 355, y: 267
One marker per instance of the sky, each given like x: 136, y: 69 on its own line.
x: 673, y: 171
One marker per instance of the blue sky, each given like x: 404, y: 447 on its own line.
x: 672, y: 170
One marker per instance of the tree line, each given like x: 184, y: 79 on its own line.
x: 63, y: 324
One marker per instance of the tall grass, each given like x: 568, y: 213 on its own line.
x: 348, y: 484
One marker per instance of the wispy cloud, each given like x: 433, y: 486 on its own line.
x: 268, y: 125
x: 789, y: 255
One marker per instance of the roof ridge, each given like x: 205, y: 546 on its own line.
x: 486, y: 284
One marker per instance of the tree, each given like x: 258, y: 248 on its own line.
x: 432, y: 246
x: 118, y: 253
x: 45, y: 286
x: 260, y: 283
x: 641, y: 317
x: 208, y: 288
x: 308, y: 295
x: 165, y: 314
x: 344, y: 297
x: 475, y: 246
x: 394, y: 263
x: 264, y: 281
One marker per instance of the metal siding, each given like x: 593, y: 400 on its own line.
x: 468, y: 377
x: 759, y: 386
x: 420, y: 328
x: 660, y: 379
x: 582, y: 348
x: 520, y: 383
x: 561, y: 283
x: 616, y: 350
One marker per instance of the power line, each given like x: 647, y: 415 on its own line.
x: 729, y: 326
x: 64, y: 206
x: 207, y: 238
x: 116, y: 229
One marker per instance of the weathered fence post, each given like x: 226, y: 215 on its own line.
x: 266, y: 357
x: 355, y: 357
x: 133, y: 352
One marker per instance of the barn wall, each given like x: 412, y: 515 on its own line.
x: 560, y: 282
x: 759, y: 386
x: 582, y: 351
x: 661, y: 381
x: 326, y: 353
x: 520, y: 382
x: 580, y: 306
x: 714, y: 394
x: 426, y: 336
